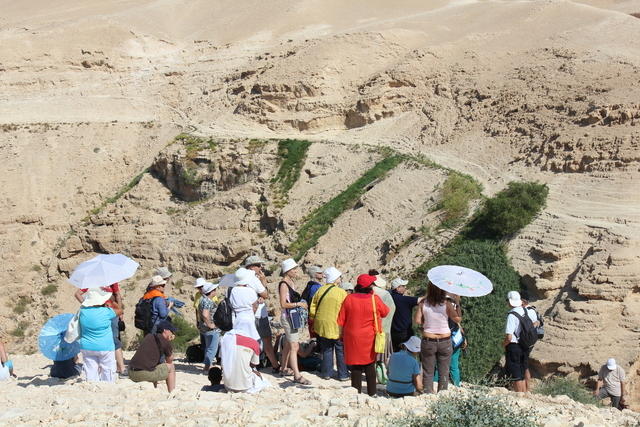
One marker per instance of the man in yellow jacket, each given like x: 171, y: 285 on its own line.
x: 324, y: 310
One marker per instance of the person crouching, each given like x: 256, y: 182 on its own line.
x: 404, y: 370
x: 240, y: 353
x: 147, y: 364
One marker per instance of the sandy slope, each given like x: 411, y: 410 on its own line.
x: 541, y: 90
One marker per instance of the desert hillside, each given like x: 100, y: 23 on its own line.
x: 95, y: 93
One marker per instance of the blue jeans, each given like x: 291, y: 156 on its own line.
x: 454, y: 368
x: 211, y: 341
x: 327, y: 347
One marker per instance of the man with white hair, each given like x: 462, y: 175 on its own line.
x: 325, y: 306
x: 610, y: 383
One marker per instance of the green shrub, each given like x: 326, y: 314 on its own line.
x: 473, y: 409
x: 36, y: 268
x: 321, y: 219
x: 20, y: 329
x: 510, y: 210
x: 457, y: 192
x: 195, y: 144
x: 558, y: 386
x: 21, y: 305
x: 190, y: 176
x: 185, y: 333
x: 482, y: 318
x: 49, y: 290
x: 292, y: 154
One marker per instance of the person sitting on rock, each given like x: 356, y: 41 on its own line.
x: 612, y: 377
x: 404, y: 372
x: 64, y: 369
x: 153, y: 361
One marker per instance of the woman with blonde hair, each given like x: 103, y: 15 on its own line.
x: 294, y: 318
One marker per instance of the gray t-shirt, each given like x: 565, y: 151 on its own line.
x: 612, y: 379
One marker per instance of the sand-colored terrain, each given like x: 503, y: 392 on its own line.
x: 92, y: 93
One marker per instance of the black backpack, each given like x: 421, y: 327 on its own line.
x: 195, y: 353
x: 528, y: 334
x: 540, y: 328
x: 223, y: 317
x: 142, y: 318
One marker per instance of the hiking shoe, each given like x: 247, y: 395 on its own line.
x: 344, y: 379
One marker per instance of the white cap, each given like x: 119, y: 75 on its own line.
x: 253, y: 260
x: 157, y: 280
x: 412, y: 344
x: 396, y: 283
x: 288, y: 264
x: 514, y: 299
x: 380, y: 282
x: 208, y: 287
x: 162, y: 272
x: 244, y: 276
x: 200, y: 282
x: 332, y: 274
x: 611, y: 364
x: 347, y: 286
x: 95, y: 297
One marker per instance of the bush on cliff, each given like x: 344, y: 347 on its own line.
x: 473, y: 409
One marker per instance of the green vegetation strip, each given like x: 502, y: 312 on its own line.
x: 292, y: 154
x: 480, y: 247
x: 321, y: 219
x: 124, y: 190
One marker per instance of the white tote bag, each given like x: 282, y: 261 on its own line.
x: 4, y: 372
x: 73, y: 330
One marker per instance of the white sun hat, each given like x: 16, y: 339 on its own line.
x: 244, y: 276
x: 200, y: 282
x: 95, y: 297
x: 208, y: 287
x: 380, y: 282
x: 396, y: 283
x: 288, y: 264
x: 157, y: 280
x: 412, y: 344
x: 332, y: 274
x: 514, y: 299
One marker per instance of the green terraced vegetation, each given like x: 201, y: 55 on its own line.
x: 320, y: 220
x: 292, y: 154
x: 121, y: 192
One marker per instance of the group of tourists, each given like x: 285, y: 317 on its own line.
x: 371, y: 329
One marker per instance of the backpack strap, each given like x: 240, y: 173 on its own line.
x: 322, y: 297
x: 520, y: 319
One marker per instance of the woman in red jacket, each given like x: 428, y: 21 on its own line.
x: 356, y: 318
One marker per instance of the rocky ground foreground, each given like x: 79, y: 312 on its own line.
x: 34, y: 398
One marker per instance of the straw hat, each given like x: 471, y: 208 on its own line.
x: 157, y: 280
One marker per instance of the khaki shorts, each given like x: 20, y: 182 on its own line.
x: 291, y: 335
x: 161, y: 373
